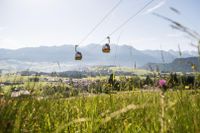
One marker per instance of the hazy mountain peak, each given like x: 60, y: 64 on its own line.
x: 123, y: 55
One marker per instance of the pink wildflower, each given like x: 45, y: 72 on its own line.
x: 162, y: 83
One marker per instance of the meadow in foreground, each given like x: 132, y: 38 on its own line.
x: 134, y: 111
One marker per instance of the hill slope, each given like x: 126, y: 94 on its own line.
x: 178, y: 65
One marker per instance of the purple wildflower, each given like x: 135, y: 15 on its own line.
x: 162, y: 83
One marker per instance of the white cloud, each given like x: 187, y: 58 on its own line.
x: 160, y: 4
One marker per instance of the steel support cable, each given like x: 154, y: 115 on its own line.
x: 101, y: 21
x: 129, y: 19
x: 116, y: 48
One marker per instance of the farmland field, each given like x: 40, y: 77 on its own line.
x: 130, y: 111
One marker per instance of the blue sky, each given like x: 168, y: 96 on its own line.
x: 32, y: 23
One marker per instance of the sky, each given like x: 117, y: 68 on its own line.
x: 34, y: 23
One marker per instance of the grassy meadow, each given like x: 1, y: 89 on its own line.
x: 133, y: 111
x: 57, y: 104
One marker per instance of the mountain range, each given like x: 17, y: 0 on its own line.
x: 120, y: 55
x: 178, y: 65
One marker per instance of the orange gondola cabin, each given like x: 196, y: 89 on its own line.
x: 106, y: 47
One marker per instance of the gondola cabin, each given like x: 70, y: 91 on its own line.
x: 106, y: 47
x: 78, y: 56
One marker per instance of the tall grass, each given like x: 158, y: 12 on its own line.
x: 123, y: 112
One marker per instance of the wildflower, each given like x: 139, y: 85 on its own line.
x: 162, y: 83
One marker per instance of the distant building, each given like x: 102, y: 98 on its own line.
x: 17, y: 93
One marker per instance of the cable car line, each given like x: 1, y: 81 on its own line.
x: 106, y: 47
x: 101, y: 21
x: 116, y: 48
x: 78, y: 55
x: 129, y: 19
